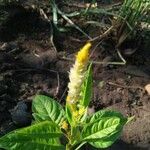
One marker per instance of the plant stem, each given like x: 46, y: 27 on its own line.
x: 80, y: 146
x: 68, y: 147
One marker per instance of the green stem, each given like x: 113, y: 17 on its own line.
x: 68, y: 147
x: 80, y: 146
x: 71, y: 143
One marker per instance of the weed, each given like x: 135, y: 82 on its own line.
x: 131, y: 14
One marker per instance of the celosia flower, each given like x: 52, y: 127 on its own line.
x: 64, y: 125
x: 77, y: 76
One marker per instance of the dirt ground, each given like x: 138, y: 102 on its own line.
x: 30, y: 64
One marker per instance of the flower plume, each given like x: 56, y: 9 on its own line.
x: 76, y: 77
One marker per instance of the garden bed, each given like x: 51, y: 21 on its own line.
x: 30, y: 64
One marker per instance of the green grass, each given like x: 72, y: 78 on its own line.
x: 133, y: 13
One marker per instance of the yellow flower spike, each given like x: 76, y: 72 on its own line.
x: 76, y: 114
x: 71, y: 104
x: 82, y: 111
x: 64, y: 125
x: 83, y: 54
x: 68, y: 99
x: 76, y: 77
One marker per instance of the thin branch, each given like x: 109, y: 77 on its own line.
x: 72, y: 23
x: 58, y: 84
x: 105, y: 34
x: 126, y: 87
x: 100, y: 63
x: 51, y: 28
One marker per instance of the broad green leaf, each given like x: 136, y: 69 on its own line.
x: 45, y: 108
x: 86, y: 91
x: 39, y: 117
x: 103, y: 128
x: 103, y: 113
x: 106, y: 142
x: 41, y: 136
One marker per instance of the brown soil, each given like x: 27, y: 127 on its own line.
x: 29, y: 64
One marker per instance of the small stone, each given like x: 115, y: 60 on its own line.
x: 20, y: 116
x: 147, y: 88
x: 3, y: 46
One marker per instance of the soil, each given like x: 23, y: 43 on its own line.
x: 30, y: 64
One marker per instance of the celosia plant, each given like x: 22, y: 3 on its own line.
x: 54, y: 128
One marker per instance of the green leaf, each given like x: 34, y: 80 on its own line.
x: 103, y: 128
x: 39, y: 117
x: 106, y: 142
x: 86, y: 91
x: 101, y: 114
x: 45, y: 108
x: 41, y: 136
x: 69, y: 114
